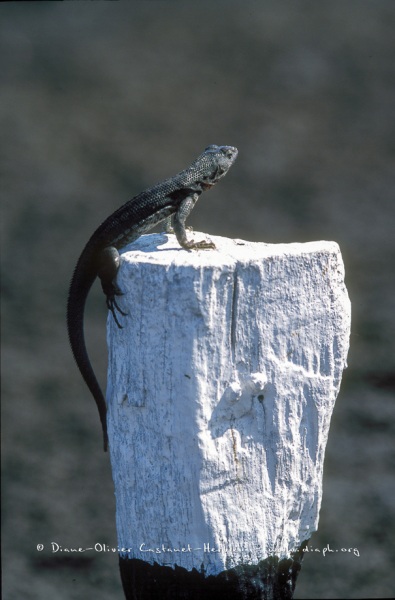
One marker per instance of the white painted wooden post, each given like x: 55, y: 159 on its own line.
x: 221, y: 387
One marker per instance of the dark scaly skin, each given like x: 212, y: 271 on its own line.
x: 173, y: 199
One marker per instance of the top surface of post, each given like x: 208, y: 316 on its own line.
x: 164, y: 249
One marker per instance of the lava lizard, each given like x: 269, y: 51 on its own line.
x: 171, y: 202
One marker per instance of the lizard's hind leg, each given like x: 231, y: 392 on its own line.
x: 113, y: 307
x: 108, y: 265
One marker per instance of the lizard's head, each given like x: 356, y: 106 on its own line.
x: 216, y: 162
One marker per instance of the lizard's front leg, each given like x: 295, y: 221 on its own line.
x: 179, y: 225
x: 108, y: 265
x: 167, y: 225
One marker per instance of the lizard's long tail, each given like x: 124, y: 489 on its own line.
x: 79, y: 289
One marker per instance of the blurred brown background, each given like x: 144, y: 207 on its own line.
x: 100, y: 100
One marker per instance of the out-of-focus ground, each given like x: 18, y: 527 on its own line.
x: 102, y: 99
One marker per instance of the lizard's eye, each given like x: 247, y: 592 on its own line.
x: 228, y: 153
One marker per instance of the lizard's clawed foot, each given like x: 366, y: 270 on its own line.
x: 112, y: 306
x: 111, y: 292
x: 202, y: 245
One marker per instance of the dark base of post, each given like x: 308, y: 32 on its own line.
x: 271, y: 579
